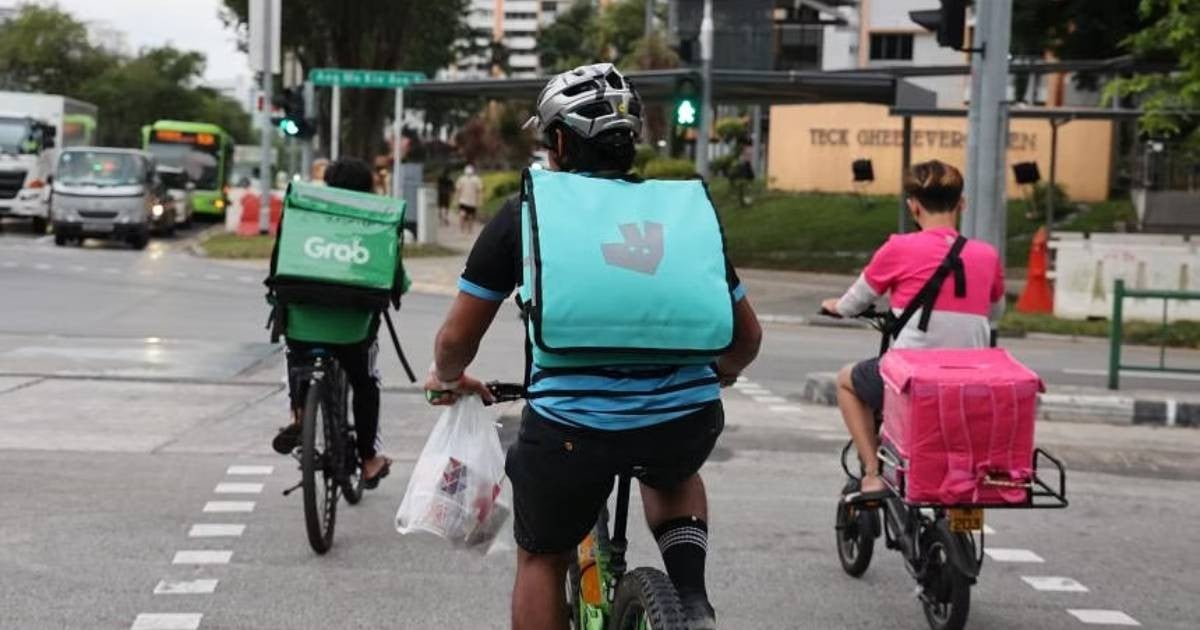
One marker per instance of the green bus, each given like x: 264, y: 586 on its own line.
x: 203, y: 151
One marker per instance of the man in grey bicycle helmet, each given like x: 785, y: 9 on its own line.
x: 581, y: 426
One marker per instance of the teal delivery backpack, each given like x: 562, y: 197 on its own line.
x: 619, y: 272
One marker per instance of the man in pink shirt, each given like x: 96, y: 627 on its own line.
x: 959, y: 315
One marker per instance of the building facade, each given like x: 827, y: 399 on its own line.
x: 514, y: 25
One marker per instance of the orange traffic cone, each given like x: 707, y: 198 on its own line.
x: 1037, y: 298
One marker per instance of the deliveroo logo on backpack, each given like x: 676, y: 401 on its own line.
x: 354, y: 253
x: 641, y: 251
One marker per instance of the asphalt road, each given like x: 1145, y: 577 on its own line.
x: 131, y: 383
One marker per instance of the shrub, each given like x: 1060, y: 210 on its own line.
x: 499, y: 184
x: 645, y: 153
x: 666, y: 168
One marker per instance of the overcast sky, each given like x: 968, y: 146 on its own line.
x: 186, y: 24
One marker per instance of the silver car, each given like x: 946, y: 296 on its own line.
x: 104, y: 192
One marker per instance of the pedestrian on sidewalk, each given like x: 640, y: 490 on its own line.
x: 469, y: 190
x: 445, y: 190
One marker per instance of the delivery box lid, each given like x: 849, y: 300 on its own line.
x: 345, y: 203
x: 961, y: 366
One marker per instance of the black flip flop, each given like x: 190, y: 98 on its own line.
x: 373, y: 482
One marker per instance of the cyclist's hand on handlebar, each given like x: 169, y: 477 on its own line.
x: 440, y: 393
x: 830, y: 307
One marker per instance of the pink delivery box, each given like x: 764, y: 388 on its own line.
x: 961, y: 422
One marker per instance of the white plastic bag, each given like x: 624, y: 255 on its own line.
x: 453, y: 489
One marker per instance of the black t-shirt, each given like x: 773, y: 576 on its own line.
x: 495, y: 261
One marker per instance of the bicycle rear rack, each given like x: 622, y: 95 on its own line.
x: 1040, y: 496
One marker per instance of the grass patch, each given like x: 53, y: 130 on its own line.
x: 1179, y: 334
x: 837, y: 233
x: 234, y: 246
x: 229, y: 245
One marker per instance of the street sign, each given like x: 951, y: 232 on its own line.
x: 364, y: 78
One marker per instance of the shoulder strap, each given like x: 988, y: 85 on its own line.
x: 928, y: 295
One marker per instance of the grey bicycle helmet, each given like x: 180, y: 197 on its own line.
x: 589, y: 100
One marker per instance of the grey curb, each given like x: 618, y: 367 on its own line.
x: 821, y: 388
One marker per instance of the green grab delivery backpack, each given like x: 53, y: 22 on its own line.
x: 622, y: 273
x: 337, y: 263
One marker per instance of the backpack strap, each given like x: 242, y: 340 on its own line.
x: 928, y: 295
x: 408, y: 371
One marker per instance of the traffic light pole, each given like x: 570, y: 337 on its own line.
x: 335, y: 125
x: 264, y: 164
x: 397, y: 157
x: 986, y: 172
x: 306, y: 144
x: 704, y: 124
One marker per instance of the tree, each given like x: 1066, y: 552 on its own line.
x: 1169, y: 99
x: 370, y: 34
x: 1073, y: 29
x: 43, y: 49
x: 566, y: 43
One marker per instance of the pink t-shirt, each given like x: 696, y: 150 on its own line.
x: 906, y: 262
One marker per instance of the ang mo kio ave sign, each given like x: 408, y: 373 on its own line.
x: 380, y: 79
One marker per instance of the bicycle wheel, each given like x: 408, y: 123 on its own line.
x: 647, y: 599
x: 855, y: 528
x: 946, y: 592
x: 319, y: 440
x: 351, y: 466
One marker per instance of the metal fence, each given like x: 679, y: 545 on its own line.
x: 1116, y: 331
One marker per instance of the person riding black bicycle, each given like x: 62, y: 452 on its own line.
x: 582, y: 425
x: 954, y: 312
x: 356, y: 359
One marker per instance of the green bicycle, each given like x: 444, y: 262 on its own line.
x: 602, y: 593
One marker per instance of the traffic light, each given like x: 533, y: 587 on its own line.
x: 687, y: 103
x: 293, y: 123
x: 949, y: 22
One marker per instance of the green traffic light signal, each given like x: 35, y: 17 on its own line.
x: 686, y: 113
x: 289, y: 127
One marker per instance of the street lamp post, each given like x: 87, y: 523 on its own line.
x: 704, y: 125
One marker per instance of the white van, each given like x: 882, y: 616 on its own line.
x: 104, y: 192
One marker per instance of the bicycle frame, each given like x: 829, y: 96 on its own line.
x: 607, y: 553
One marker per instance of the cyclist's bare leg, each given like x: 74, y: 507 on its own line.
x: 860, y: 421
x: 537, y: 600
x: 686, y: 499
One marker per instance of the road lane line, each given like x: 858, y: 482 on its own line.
x: 999, y: 554
x: 216, y: 530
x: 229, y: 506
x: 185, y: 587
x: 211, y: 276
x: 769, y: 400
x: 179, y: 274
x: 43, y: 267
x: 167, y: 621
x: 112, y: 270
x: 249, y: 470
x: 77, y: 268
x: 1054, y: 584
x: 226, y: 487
x: 1134, y: 374
x: 1103, y: 617
x: 8, y: 264
x: 245, y: 279
x: 987, y: 529
x: 786, y: 408
x: 202, y: 556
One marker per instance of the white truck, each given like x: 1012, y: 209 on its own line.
x: 32, y: 129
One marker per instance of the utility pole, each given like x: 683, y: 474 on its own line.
x: 704, y: 124
x: 986, y: 176
x: 306, y: 145
x: 264, y: 163
x: 397, y: 156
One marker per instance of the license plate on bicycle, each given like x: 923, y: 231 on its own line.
x: 965, y: 519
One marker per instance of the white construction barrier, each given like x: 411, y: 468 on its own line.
x: 1086, y: 267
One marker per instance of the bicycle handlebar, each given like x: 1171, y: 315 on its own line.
x: 501, y: 392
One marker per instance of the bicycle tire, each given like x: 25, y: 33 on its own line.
x: 315, y: 464
x: 855, y: 538
x: 946, y: 591
x: 351, y: 468
x: 646, y: 598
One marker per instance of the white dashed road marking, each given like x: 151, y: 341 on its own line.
x: 211, y: 276
x: 987, y: 529
x: 1055, y: 584
x: 770, y: 400
x: 43, y: 267
x: 112, y: 270
x: 8, y: 264
x: 250, y: 470
x: 202, y: 556
x: 1012, y: 555
x: 167, y: 621
x: 77, y: 268
x: 1103, y: 617
x: 238, y: 488
x: 786, y: 408
x: 216, y: 530
x: 185, y: 587
x: 229, y: 506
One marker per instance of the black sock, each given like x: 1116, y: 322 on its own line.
x: 684, y: 546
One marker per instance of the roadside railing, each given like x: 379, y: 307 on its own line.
x: 1116, y: 331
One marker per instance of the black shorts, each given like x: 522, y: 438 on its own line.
x: 562, y: 475
x: 868, y: 383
